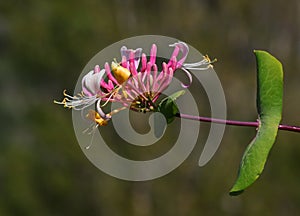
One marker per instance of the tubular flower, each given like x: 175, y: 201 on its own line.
x: 135, y: 82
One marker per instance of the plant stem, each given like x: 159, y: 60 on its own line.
x: 233, y: 122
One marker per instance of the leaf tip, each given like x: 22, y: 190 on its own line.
x: 235, y: 192
x: 237, y: 189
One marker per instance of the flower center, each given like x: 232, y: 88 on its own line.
x: 143, y: 103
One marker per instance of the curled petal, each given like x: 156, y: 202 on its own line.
x: 182, y: 47
x: 100, y: 111
x: 135, y: 53
x: 188, y: 74
x: 91, y: 82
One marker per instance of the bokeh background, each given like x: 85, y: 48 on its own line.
x: 44, y: 46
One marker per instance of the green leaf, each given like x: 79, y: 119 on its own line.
x: 269, y: 106
x: 168, y: 106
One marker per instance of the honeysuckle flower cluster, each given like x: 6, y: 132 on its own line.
x: 135, y: 82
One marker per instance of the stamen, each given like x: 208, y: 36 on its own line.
x: 136, y: 90
x: 115, y: 111
x: 205, y: 62
x: 128, y: 92
x: 79, y: 102
x: 148, y: 80
x: 141, y: 86
x: 92, y: 132
x: 98, y: 120
x: 161, y: 77
x: 109, y: 98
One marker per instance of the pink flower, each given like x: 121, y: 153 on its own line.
x: 135, y: 82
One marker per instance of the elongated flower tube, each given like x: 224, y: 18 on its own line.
x: 135, y: 82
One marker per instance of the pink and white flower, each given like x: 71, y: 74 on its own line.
x: 135, y: 82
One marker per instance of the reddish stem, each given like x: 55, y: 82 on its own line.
x: 233, y: 122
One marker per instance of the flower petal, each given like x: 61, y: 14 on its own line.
x: 136, y: 53
x: 180, y: 46
x: 100, y: 111
x: 91, y: 82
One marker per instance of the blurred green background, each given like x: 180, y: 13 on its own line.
x: 44, y: 46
